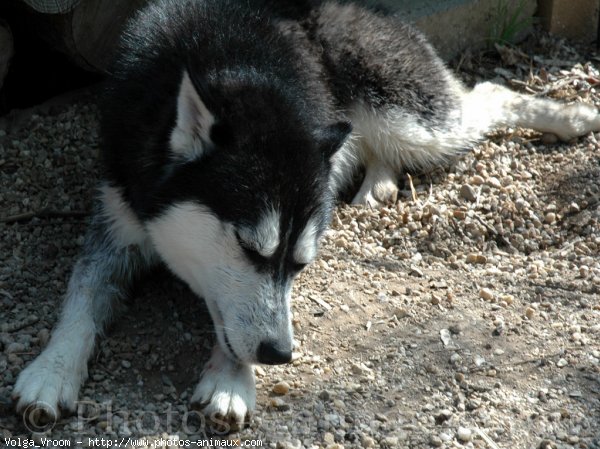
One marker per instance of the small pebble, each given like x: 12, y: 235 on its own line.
x: 468, y: 193
x: 279, y: 404
x: 476, y: 258
x: 381, y: 417
x: 494, y: 182
x: 464, y: 434
x: 446, y: 436
x: 43, y: 336
x: 339, y: 404
x: 367, y: 441
x: 401, y: 312
x: 289, y: 445
x: 562, y: 363
x: 477, y: 180
x: 455, y: 358
x: 325, y: 395
x: 459, y: 214
x: 435, y: 441
x: 281, y: 388
x: 550, y: 217
x: 549, y: 138
x: 443, y: 415
x: 15, y: 347
x: 508, y: 299
x: 487, y: 294
x: 390, y: 441
x: 547, y: 444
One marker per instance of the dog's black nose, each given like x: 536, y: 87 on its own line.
x: 270, y: 354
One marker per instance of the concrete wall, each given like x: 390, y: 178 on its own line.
x: 453, y: 25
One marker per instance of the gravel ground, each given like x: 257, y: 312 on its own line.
x: 465, y: 315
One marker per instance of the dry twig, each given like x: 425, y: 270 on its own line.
x: 43, y: 213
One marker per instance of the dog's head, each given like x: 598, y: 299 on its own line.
x: 246, y: 198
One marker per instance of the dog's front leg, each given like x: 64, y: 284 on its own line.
x: 226, y: 392
x: 50, y: 384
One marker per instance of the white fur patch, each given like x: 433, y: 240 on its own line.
x: 226, y: 389
x: 392, y: 141
x: 265, y: 237
x: 124, y: 227
x: 491, y: 105
x: 379, y: 186
x: 53, y: 379
x: 202, y: 250
x: 396, y: 140
x: 306, y: 246
x: 400, y: 140
x: 194, y: 120
x: 191, y: 240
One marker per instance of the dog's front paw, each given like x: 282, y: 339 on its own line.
x: 47, y: 387
x: 376, y: 195
x: 378, y: 188
x: 226, y: 392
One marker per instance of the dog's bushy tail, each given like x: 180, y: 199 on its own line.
x: 490, y: 105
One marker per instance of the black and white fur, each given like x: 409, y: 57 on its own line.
x: 226, y: 136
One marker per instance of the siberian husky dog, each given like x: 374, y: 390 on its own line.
x: 228, y: 129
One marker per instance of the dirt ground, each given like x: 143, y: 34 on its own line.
x: 465, y: 315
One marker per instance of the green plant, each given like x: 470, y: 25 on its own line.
x: 508, y: 22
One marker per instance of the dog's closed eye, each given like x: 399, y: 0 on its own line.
x: 250, y: 249
x: 298, y: 267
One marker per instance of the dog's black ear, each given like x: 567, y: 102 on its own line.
x: 190, y: 137
x: 331, y: 138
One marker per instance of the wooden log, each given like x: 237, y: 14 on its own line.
x: 576, y: 20
x: 96, y: 26
x: 89, y: 32
x: 52, y: 6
